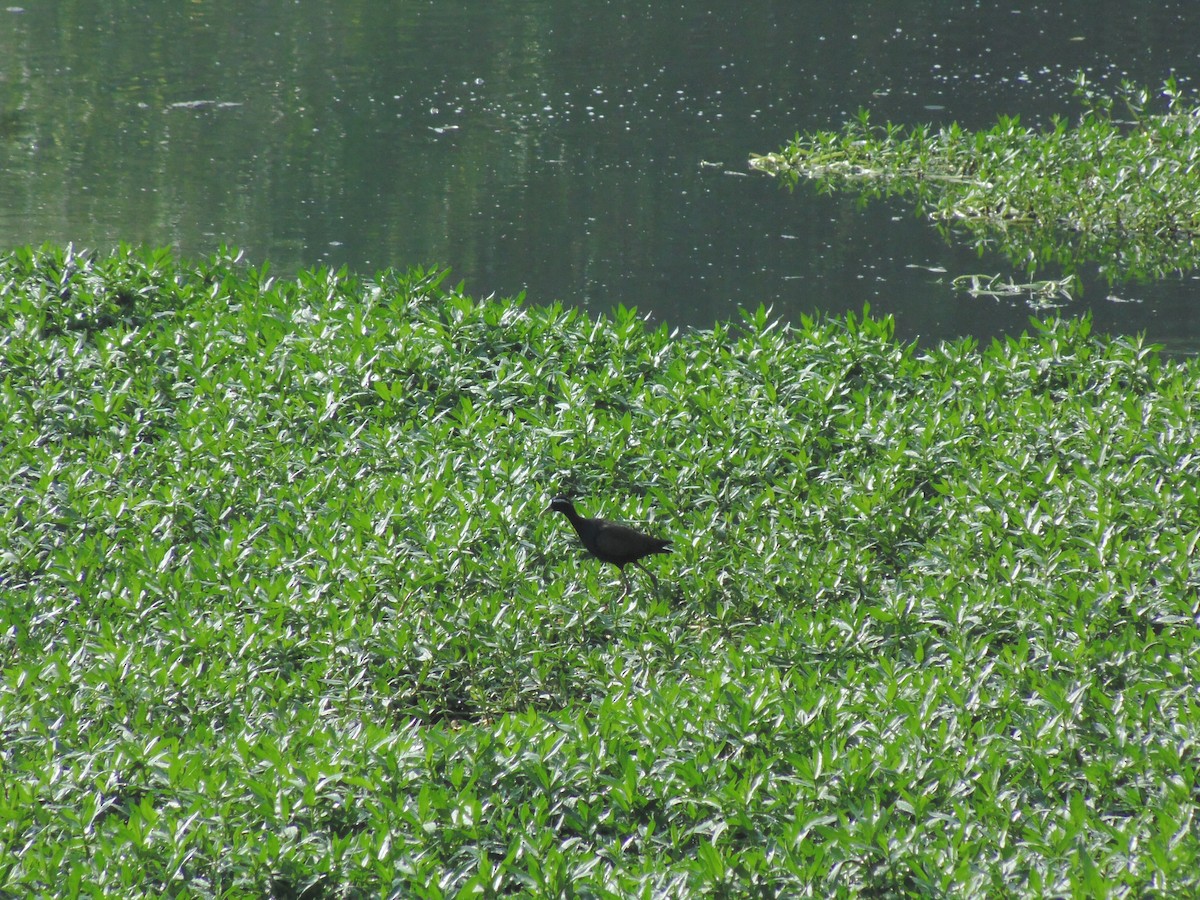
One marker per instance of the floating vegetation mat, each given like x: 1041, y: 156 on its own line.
x: 282, y: 614
x: 1120, y: 193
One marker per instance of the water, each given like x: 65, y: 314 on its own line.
x: 575, y: 150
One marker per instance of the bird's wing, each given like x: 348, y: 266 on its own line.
x: 621, y: 541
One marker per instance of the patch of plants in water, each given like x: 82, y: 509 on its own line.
x: 1120, y: 193
x: 282, y: 613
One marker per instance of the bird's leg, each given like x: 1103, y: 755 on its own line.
x: 648, y: 572
x: 624, y: 593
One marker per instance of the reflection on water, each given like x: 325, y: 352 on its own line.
x: 589, y: 152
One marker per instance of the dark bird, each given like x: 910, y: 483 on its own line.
x: 612, y: 542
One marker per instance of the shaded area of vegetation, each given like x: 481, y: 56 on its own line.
x: 1120, y: 193
x: 282, y: 613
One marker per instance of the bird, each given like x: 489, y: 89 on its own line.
x: 612, y: 542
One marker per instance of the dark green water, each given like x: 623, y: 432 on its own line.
x: 584, y: 151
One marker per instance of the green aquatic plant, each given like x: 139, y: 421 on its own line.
x: 1123, y: 194
x: 281, y: 613
x: 1047, y: 294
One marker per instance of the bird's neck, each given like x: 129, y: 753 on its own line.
x: 575, y: 518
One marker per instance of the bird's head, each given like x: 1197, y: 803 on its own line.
x: 562, y: 505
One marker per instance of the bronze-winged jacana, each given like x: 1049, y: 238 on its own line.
x: 612, y: 542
